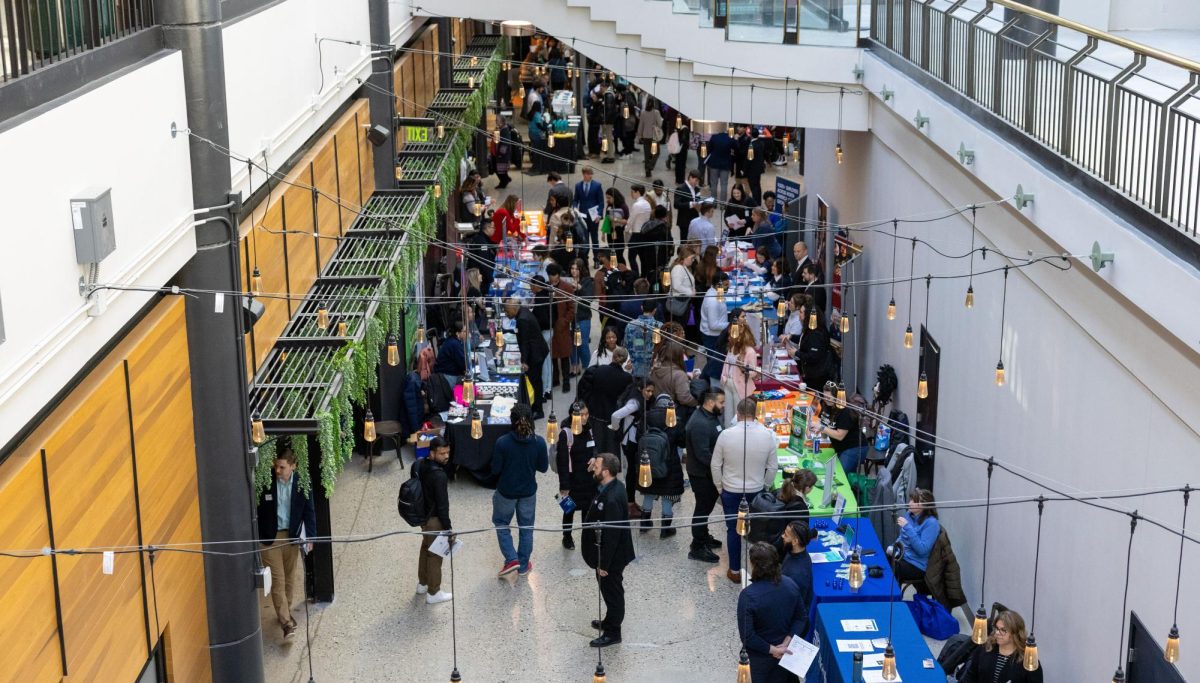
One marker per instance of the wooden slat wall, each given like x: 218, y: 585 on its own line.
x: 339, y: 165
x: 415, y: 76
x: 102, y: 462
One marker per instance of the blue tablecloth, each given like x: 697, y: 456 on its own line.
x: 832, y: 666
x: 826, y: 587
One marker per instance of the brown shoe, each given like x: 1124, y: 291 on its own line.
x: 289, y: 629
x: 733, y: 576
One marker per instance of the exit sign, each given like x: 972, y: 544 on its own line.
x: 417, y: 134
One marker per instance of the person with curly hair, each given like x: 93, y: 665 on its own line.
x: 516, y: 460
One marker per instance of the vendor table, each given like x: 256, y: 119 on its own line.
x: 827, y: 587
x: 475, y: 455
x: 566, y: 146
x: 832, y: 666
x: 789, y: 459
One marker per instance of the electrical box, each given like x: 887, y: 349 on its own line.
x: 92, y: 225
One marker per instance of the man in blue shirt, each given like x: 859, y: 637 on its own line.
x: 701, y: 227
x: 517, y: 458
x: 282, y: 511
x: 775, y: 217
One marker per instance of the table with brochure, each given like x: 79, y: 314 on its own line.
x: 829, y: 552
x: 843, y: 627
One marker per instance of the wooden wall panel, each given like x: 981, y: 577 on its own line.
x: 161, y: 400
x: 28, y: 626
x: 329, y: 217
x: 366, y: 168
x: 301, y: 245
x: 90, y: 471
x: 268, y: 245
x: 348, y: 167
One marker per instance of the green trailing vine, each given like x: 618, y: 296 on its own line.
x: 263, y: 469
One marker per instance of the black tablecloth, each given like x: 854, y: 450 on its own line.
x: 475, y: 455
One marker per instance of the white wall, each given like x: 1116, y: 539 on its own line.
x: 1097, y: 399
x: 1127, y: 15
x: 111, y: 136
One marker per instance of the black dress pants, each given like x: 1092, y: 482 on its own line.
x: 612, y: 589
x: 706, y: 500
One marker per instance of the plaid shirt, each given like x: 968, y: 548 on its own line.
x: 639, y: 341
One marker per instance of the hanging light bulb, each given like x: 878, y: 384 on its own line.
x: 499, y: 339
x: 841, y: 395
x: 468, y: 390
x: 908, y: 337
x: 812, y: 320
x: 781, y: 308
x: 576, y: 422
x: 625, y: 112
x: 666, y: 278
x: 750, y: 153
x: 796, y: 154
x: 1000, y: 373
x: 322, y: 316
x: 735, y: 330
x: 644, y: 477
x: 455, y: 677
x: 496, y: 136
x: 891, y: 310
x: 703, y: 149
x: 504, y: 65
x: 471, y: 82
x: 399, y: 173
x: 552, y: 429
x: 474, y: 60
x: 889, y: 663
x: 604, y: 145
x: 856, y: 575
x: 441, y: 131
x: 729, y: 130
x: 570, y: 244
x: 760, y: 410
x: 578, y: 337
x: 970, y: 301
x: 1119, y: 676
x: 721, y: 293
x: 671, y: 414
x: 656, y: 337
x: 743, y: 517
x: 550, y: 142
x: 654, y: 148
x: 979, y: 627
x: 256, y: 283
x: 610, y: 75
x: 478, y: 209
x: 257, y: 433
x: 476, y: 423
x: 437, y: 190
x: 923, y: 386
x: 572, y: 104
x: 1171, y: 652
x: 743, y: 675
x: 341, y: 328
x: 599, y: 676
x: 369, y: 427
x: 837, y: 152
x: 1030, y: 660
x: 845, y: 324
x: 420, y: 333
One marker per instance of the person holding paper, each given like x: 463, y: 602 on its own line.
x: 589, y: 200
x: 432, y: 473
x: 608, y: 545
x: 770, y: 613
x: 282, y: 512
x: 573, y: 458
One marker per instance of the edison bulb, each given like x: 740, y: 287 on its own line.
x: 729, y: 131
x: 552, y: 430
x: 908, y: 337
x: 923, y: 386
x: 341, y: 328
x: 735, y: 330
x: 656, y: 337
x: 604, y: 145
x: 796, y: 154
x: 474, y: 60
x: 666, y: 278
x: 780, y: 308
x: 576, y: 423
x: 570, y: 244
x: 760, y: 411
x: 644, y: 477
x: 889, y: 663
x: 837, y: 152
x: 720, y: 295
x: 750, y: 153
x: 1030, y: 660
x: 256, y: 282
x: 845, y: 324
x: 654, y: 148
x: 1000, y: 374
x: 970, y: 300
x: 703, y: 149
x: 322, y: 316
x: 471, y: 82
x: 856, y: 575
x: 578, y: 337
x: 891, y: 310
x: 420, y: 333
x: 599, y: 676
x: 257, y: 433
x: 437, y: 190
x: 743, y: 518
x: 550, y: 142
x: 496, y: 136
x: 1171, y: 652
x: 499, y: 339
x: 441, y: 131
x: 979, y: 627
x: 625, y: 112
x: 670, y: 419
x: 468, y: 391
x: 369, y: 427
x: 841, y: 395
x: 812, y: 320
x: 476, y: 424
x: 743, y: 670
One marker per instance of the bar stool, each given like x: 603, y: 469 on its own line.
x: 388, y: 429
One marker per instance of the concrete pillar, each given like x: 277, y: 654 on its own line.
x: 382, y: 96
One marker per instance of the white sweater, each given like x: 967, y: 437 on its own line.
x: 760, y: 454
x: 682, y: 281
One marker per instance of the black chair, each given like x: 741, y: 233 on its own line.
x: 388, y: 429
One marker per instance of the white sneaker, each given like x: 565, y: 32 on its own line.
x: 440, y: 596
x: 422, y: 589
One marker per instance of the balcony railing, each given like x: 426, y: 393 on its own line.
x: 1124, y: 112
x: 36, y: 33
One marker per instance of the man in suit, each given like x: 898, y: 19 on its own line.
x: 607, y: 545
x: 687, y: 203
x: 558, y: 189
x: 754, y: 168
x: 533, y: 347
x: 589, y: 195
x: 282, y: 511
x: 599, y: 389
x: 813, y: 285
x: 800, y: 254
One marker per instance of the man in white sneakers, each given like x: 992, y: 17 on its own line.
x: 431, y: 471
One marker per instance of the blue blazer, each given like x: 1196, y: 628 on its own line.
x: 592, y: 198
x: 303, y: 512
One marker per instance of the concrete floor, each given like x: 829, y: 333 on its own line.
x: 680, y: 621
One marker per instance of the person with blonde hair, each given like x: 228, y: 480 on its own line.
x: 738, y: 375
x: 1000, y: 658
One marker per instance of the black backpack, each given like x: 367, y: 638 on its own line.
x: 411, y: 501
x: 955, y: 652
x: 657, y: 445
x: 765, y: 529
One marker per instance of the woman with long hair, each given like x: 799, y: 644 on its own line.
x: 769, y: 611
x: 670, y: 377
x: 507, y: 221
x: 585, y: 305
x: 472, y: 207
x: 682, y: 292
x: 707, y: 269
x: 919, y: 528
x: 739, y: 205
x: 618, y: 214
x: 794, y: 496
x: 1002, y: 655
x: 738, y: 376
x: 778, y: 280
x: 609, y: 341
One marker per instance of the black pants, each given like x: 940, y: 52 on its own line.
x: 581, y: 506
x: 681, y: 168
x: 706, y: 500
x: 909, y: 574
x: 612, y: 589
x: 562, y: 370
x: 505, y: 179
x: 755, y: 183
x: 632, y: 464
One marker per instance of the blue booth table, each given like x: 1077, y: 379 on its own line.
x: 828, y: 588
x: 832, y: 666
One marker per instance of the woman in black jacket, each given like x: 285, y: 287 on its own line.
x: 668, y: 487
x: 794, y: 496
x: 573, y: 453
x: 1000, y: 658
x: 815, y: 355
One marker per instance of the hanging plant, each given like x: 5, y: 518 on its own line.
x: 299, y: 443
x: 262, y: 468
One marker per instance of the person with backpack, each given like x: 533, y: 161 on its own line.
x: 516, y: 460
x: 573, y: 458
x: 790, y: 504
x: 666, y: 471
x: 699, y: 438
x: 599, y: 389
x: 431, y: 474
x: 627, y: 422
x: 744, y: 462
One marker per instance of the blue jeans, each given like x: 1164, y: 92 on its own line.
x: 713, y: 361
x: 729, y: 504
x: 581, y: 355
x: 851, y: 457
x: 648, y: 504
x: 502, y: 514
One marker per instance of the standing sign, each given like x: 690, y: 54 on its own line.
x: 787, y: 193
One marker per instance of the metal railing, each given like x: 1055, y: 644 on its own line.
x: 1124, y: 112
x: 37, y: 33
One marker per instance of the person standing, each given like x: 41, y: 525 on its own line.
x: 599, y: 389
x: 683, y: 137
x: 770, y: 612
x: 814, y: 354
x: 589, y: 201
x: 719, y: 163
x: 797, y: 564
x: 585, y: 297
x: 683, y: 284
x: 744, y: 463
x: 284, y: 512
x: 608, y: 545
x: 533, y: 347
x: 640, y: 213
x: 518, y: 457
x: 503, y: 153
x: 700, y: 437
x: 738, y: 375
x: 755, y: 165
x: 432, y: 474
x: 573, y: 456
x: 617, y: 212
x: 701, y: 228
x: 687, y: 201
x: 611, y: 118
x: 562, y: 341
x: 649, y: 131
x: 812, y: 284
x: 639, y: 339
x: 714, y: 319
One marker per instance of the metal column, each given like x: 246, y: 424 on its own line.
x: 216, y: 352
x: 381, y: 97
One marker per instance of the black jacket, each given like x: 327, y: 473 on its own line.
x: 814, y: 357
x: 571, y: 455
x: 529, y: 339
x: 817, y: 290
x: 684, y: 213
x: 671, y: 483
x: 615, y: 543
x: 303, y: 512
x: 982, y: 665
x: 434, y: 486
x: 599, y: 389
x: 699, y: 437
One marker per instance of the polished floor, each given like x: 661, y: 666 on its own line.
x: 680, y: 622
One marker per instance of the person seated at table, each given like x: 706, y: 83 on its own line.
x: 452, y: 355
x: 919, y: 528
x: 769, y: 611
x: 506, y: 221
x: 573, y: 455
x: 794, y: 496
x: 760, y: 264
x: 1002, y: 656
x: 763, y: 235
x: 778, y: 281
x: 797, y: 564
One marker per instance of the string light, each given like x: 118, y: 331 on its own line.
x: 578, y: 337
x: 979, y: 628
x: 476, y: 423
x: 1030, y: 660
x: 499, y: 339
x: 780, y: 308
x: 889, y: 663
x: 970, y: 300
x: 735, y: 330
x: 468, y: 390
x: 721, y: 293
x: 437, y: 190
x: 644, y: 477
x: 570, y: 244
x: 369, y: 427
x: 420, y: 333
x: 812, y: 319
x: 341, y: 328
x: 550, y: 141
x: 1171, y: 652
x: 666, y: 279
x: 256, y: 282
x: 441, y: 131
x: 743, y: 668
x: 1003, y: 310
x: 845, y: 324
x: 912, y: 264
x: 599, y: 676
x: 837, y: 150
x: 855, y: 577
x: 257, y: 433
x: 576, y: 420
x: 923, y: 380
x: 841, y: 395
x: 743, y: 518
x: 891, y: 308
x: 1119, y: 676
x: 552, y: 429
x: 656, y: 336
x: 670, y: 419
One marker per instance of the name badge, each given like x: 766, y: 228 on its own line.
x: 591, y: 444
x: 268, y: 497
x: 718, y: 429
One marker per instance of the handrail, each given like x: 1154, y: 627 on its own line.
x: 1132, y: 45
